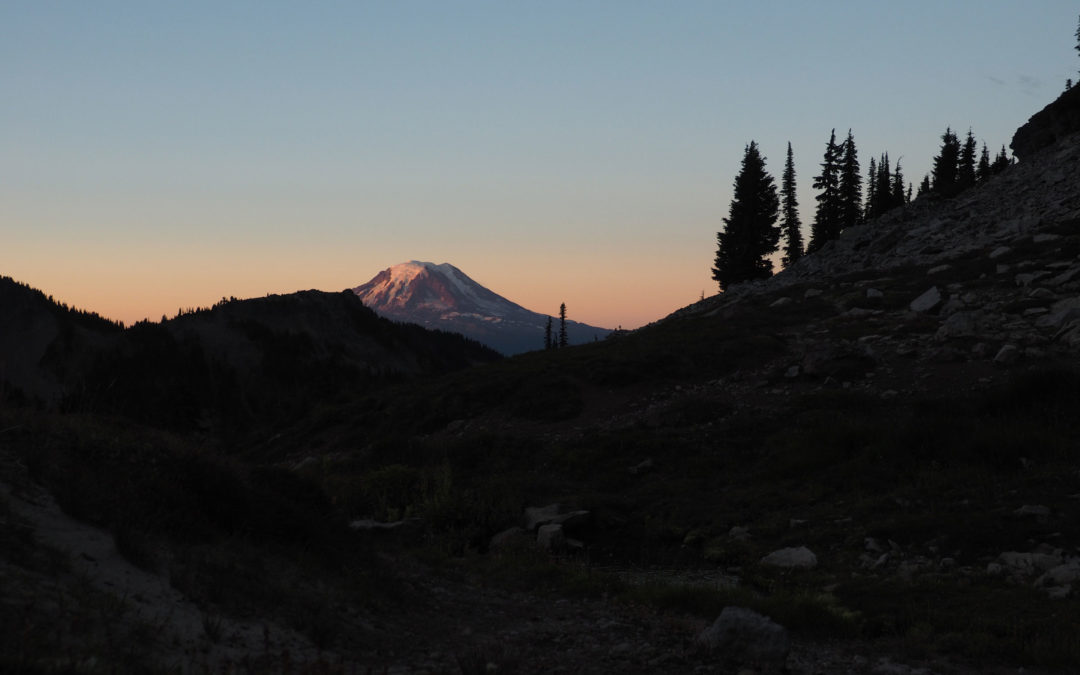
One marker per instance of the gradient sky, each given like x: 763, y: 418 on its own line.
x: 163, y: 155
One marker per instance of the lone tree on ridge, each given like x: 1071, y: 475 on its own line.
x: 750, y: 231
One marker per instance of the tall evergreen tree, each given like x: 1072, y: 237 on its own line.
x: 897, y: 198
x: 965, y: 174
x: 871, y: 190
x: 850, y: 184
x: 750, y: 232
x: 563, y: 338
x: 947, y: 164
x: 827, y: 216
x: 1001, y: 162
x: 548, y: 344
x: 1078, y: 37
x: 982, y: 171
x: 791, y: 226
x: 924, y: 186
x: 882, y: 188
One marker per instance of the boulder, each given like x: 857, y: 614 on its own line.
x: 926, y: 302
x: 535, y: 516
x: 551, y: 538
x: 744, y: 637
x: 1061, y: 575
x: 1054, y: 122
x: 1007, y: 355
x: 1033, y: 510
x: 507, y: 538
x: 798, y: 556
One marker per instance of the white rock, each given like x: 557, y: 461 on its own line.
x: 874, y: 294
x: 1061, y: 575
x: 781, y: 302
x: 1007, y: 354
x: 999, y: 251
x: 939, y: 269
x: 551, y: 538
x: 798, y: 556
x: 927, y: 301
x: 1036, y: 510
x: 536, y: 516
x: 743, y: 636
x: 811, y: 293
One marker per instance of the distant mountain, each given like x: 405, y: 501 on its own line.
x: 445, y: 298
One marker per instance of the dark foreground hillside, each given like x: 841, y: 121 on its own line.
x: 877, y: 450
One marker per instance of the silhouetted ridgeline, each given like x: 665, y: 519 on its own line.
x: 222, y: 369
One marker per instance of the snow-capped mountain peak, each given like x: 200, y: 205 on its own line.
x: 442, y: 296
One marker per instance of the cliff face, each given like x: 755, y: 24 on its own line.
x: 1051, y: 124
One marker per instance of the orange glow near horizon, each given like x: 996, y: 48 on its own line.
x: 136, y: 284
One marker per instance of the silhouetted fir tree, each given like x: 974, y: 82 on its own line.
x: 548, y: 344
x: 982, y: 171
x: 792, y: 225
x: 1078, y: 37
x: 1068, y: 83
x: 897, y: 198
x: 871, y: 190
x: 850, y: 184
x: 883, y: 189
x: 1001, y: 162
x: 750, y: 231
x: 965, y: 173
x: 827, y: 216
x: 563, y: 339
x: 907, y: 196
x: 946, y: 165
x: 924, y: 187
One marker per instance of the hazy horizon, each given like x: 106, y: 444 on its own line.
x: 159, y: 157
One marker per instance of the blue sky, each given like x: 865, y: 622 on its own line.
x: 163, y: 155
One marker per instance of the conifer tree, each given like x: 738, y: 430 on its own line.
x: 907, y: 197
x: 897, y: 198
x: 850, y: 184
x: 826, y: 225
x: 982, y: 171
x: 965, y: 174
x: 789, y: 205
x: 871, y: 190
x: 883, y: 188
x: 1001, y: 162
x: 946, y: 165
x: 548, y: 344
x: 563, y: 338
x: 750, y: 232
x: 924, y: 186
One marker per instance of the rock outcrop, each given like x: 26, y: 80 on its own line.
x: 1046, y: 127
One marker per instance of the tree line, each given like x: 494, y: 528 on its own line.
x: 760, y: 214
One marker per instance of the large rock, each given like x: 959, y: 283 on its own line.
x: 551, y: 538
x: 1054, y: 122
x: 536, y: 516
x: 798, y: 556
x: 927, y: 301
x: 744, y: 637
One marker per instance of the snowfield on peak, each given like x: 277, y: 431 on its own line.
x: 441, y: 296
